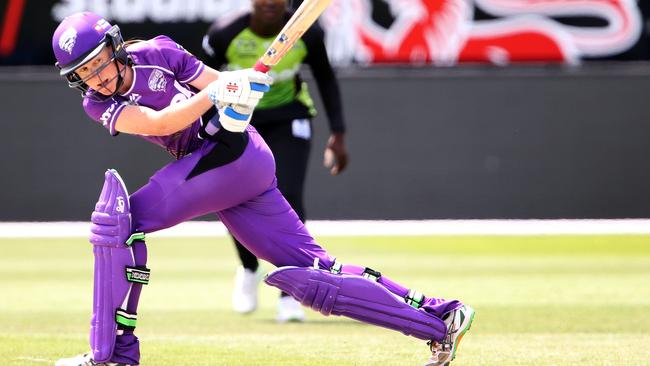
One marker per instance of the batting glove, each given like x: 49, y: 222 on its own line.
x: 236, y: 93
x: 234, y: 117
x: 243, y: 87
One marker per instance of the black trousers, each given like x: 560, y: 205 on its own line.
x: 290, y: 142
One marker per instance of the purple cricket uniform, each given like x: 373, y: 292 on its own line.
x: 162, y: 72
x: 242, y: 193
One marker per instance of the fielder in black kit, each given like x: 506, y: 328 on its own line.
x: 283, y: 118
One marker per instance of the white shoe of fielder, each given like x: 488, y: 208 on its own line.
x: 85, y: 359
x: 244, y: 296
x: 289, y: 310
x: 458, y: 323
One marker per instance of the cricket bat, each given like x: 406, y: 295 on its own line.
x: 297, y: 25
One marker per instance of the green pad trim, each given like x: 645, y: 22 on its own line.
x: 125, y: 319
x: 134, y: 237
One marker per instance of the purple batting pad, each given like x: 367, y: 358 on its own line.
x: 111, y: 226
x: 355, y: 297
x: 111, y: 220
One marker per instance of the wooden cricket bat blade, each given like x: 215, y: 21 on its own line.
x: 297, y: 25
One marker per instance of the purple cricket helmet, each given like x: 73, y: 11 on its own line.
x: 78, y: 39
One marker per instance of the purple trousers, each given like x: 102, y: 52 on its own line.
x: 245, y: 197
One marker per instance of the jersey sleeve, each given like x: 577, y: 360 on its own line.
x: 185, y: 66
x: 214, y: 47
x: 325, y: 78
x: 106, y: 113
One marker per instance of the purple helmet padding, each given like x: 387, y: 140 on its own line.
x: 356, y: 297
x: 77, y: 39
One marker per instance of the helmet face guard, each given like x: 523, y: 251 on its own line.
x: 119, y: 58
x: 78, y: 39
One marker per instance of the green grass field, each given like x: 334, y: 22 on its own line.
x: 561, y: 300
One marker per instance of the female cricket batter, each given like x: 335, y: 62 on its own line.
x: 282, y: 118
x: 160, y: 92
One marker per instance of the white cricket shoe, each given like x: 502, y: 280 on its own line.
x: 289, y: 310
x: 244, y: 296
x: 458, y: 323
x: 85, y: 359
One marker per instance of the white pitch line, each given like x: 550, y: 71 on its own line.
x: 363, y: 228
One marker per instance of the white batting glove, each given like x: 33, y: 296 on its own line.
x: 243, y: 87
x: 235, y: 117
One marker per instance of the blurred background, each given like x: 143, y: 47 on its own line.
x: 456, y: 109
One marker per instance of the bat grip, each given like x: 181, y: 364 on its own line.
x: 259, y: 66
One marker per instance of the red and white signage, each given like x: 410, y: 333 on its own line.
x: 444, y: 32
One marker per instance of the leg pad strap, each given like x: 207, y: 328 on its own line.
x: 138, y: 274
x: 125, y: 320
x: 371, y: 274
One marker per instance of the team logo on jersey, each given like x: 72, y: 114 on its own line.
x: 68, y: 40
x: 134, y: 99
x: 157, y: 81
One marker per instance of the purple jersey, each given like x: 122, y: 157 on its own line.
x: 162, y: 71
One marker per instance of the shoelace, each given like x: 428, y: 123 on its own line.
x: 447, y: 343
x: 434, y: 347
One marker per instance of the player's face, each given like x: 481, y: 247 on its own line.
x: 100, y: 73
x: 270, y: 11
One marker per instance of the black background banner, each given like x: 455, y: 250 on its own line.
x: 38, y: 22
x: 27, y: 25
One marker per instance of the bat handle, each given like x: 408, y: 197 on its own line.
x: 259, y: 66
